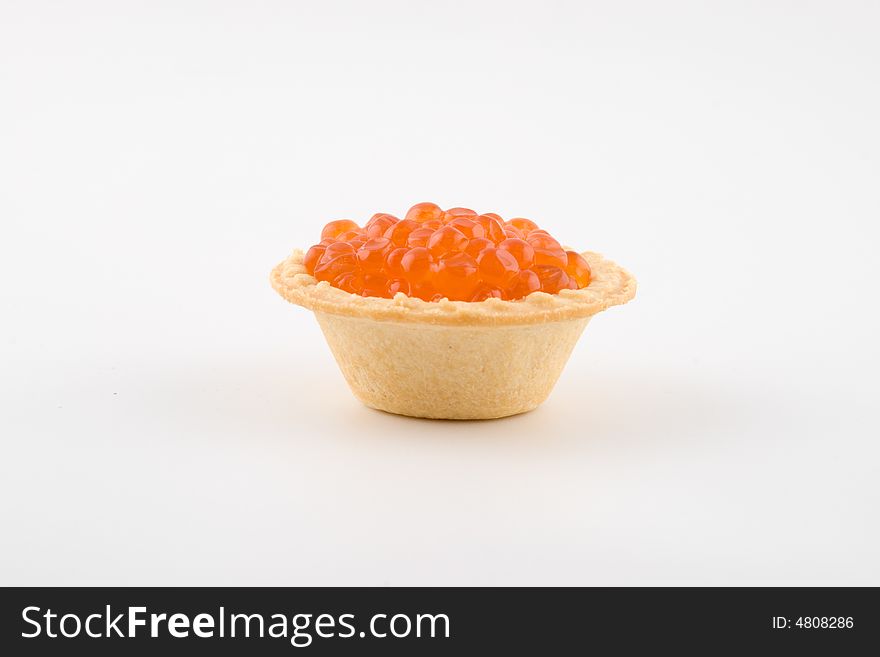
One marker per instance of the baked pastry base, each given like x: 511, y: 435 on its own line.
x: 453, y: 359
x: 450, y: 372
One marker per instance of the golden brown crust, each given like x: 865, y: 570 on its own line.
x: 611, y: 286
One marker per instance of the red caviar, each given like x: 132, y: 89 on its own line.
x: 455, y: 254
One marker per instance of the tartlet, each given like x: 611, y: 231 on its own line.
x: 453, y: 359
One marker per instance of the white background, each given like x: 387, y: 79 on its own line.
x: 167, y: 419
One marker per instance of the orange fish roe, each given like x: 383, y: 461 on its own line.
x: 434, y: 254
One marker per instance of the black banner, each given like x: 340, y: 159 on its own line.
x: 420, y: 621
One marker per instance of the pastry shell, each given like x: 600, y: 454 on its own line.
x: 453, y: 359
